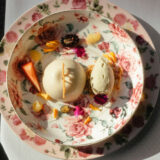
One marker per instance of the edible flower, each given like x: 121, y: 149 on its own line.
x: 37, y: 106
x: 35, y: 55
x: 78, y: 111
x: 111, y: 57
x: 94, y: 108
x: 93, y: 38
x: 101, y: 98
x: 80, y: 51
x: 30, y: 72
x: 44, y: 96
x: 52, y: 46
x: 70, y: 40
x: 55, y: 113
x: 87, y: 120
x: 65, y: 109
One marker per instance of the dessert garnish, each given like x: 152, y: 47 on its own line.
x: 35, y: 55
x: 100, y: 98
x: 94, y: 107
x: 93, y: 38
x: 51, y: 46
x: 44, y: 96
x: 87, y: 120
x: 48, y: 32
x: 30, y: 72
x: 55, y: 113
x: 78, y: 111
x: 70, y: 40
x: 37, y: 106
x: 111, y: 57
x: 65, y: 109
x: 80, y: 51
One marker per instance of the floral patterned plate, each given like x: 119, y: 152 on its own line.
x: 151, y: 88
x: 68, y: 128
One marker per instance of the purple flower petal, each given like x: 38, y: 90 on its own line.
x: 101, y: 98
x: 78, y: 111
x: 80, y: 51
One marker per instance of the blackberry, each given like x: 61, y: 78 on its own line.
x: 70, y: 40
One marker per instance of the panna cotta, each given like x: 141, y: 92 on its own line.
x: 64, y: 80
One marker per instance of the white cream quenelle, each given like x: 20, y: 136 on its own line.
x: 74, y: 80
x: 102, y: 77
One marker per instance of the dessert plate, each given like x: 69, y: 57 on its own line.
x: 68, y: 128
x: 151, y: 89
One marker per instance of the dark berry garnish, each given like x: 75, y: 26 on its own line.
x: 70, y: 40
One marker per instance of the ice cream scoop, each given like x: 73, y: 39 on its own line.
x: 102, y: 77
x: 73, y: 82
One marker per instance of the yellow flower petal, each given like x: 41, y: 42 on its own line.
x: 35, y: 55
x: 44, y: 96
x: 37, y: 106
x: 108, y: 57
x: 113, y: 56
x: 93, y: 38
x: 48, y: 49
x: 94, y: 108
x: 55, y: 113
x: 52, y: 44
x: 88, y: 119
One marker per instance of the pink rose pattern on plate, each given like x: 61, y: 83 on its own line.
x: 79, y: 4
x: 13, y: 36
x: 36, y: 16
x: 2, y: 77
x: 77, y: 128
x: 118, y: 32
